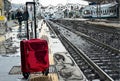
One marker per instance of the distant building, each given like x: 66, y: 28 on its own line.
x: 61, y: 11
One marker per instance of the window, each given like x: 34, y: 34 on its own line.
x: 86, y: 12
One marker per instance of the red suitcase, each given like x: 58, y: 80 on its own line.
x: 34, y: 52
x: 34, y: 56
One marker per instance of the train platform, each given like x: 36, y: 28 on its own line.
x: 65, y: 68
x: 62, y: 66
x: 10, y: 24
x: 101, y: 22
x: 108, y: 24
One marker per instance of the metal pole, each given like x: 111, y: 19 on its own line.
x: 35, y: 21
x: 2, y: 4
x: 27, y: 25
x: 118, y: 9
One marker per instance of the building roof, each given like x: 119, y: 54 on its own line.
x: 100, y: 1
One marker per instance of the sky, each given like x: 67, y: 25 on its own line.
x: 52, y: 2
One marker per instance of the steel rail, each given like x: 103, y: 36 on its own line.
x: 101, y: 73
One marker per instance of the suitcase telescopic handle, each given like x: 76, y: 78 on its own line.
x: 35, y: 26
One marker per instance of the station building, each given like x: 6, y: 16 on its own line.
x: 107, y: 1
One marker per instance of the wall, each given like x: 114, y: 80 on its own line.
x: 1, y: 6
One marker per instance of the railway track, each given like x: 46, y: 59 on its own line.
x: 89, y: 68
x: 107, y: 35
x: 103, y: 56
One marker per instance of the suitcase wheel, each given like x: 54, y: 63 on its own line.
x: 26, y: 75
x: 45, y: 72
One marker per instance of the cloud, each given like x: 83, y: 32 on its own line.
x: 19, y: 1
x: 53, y: 2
